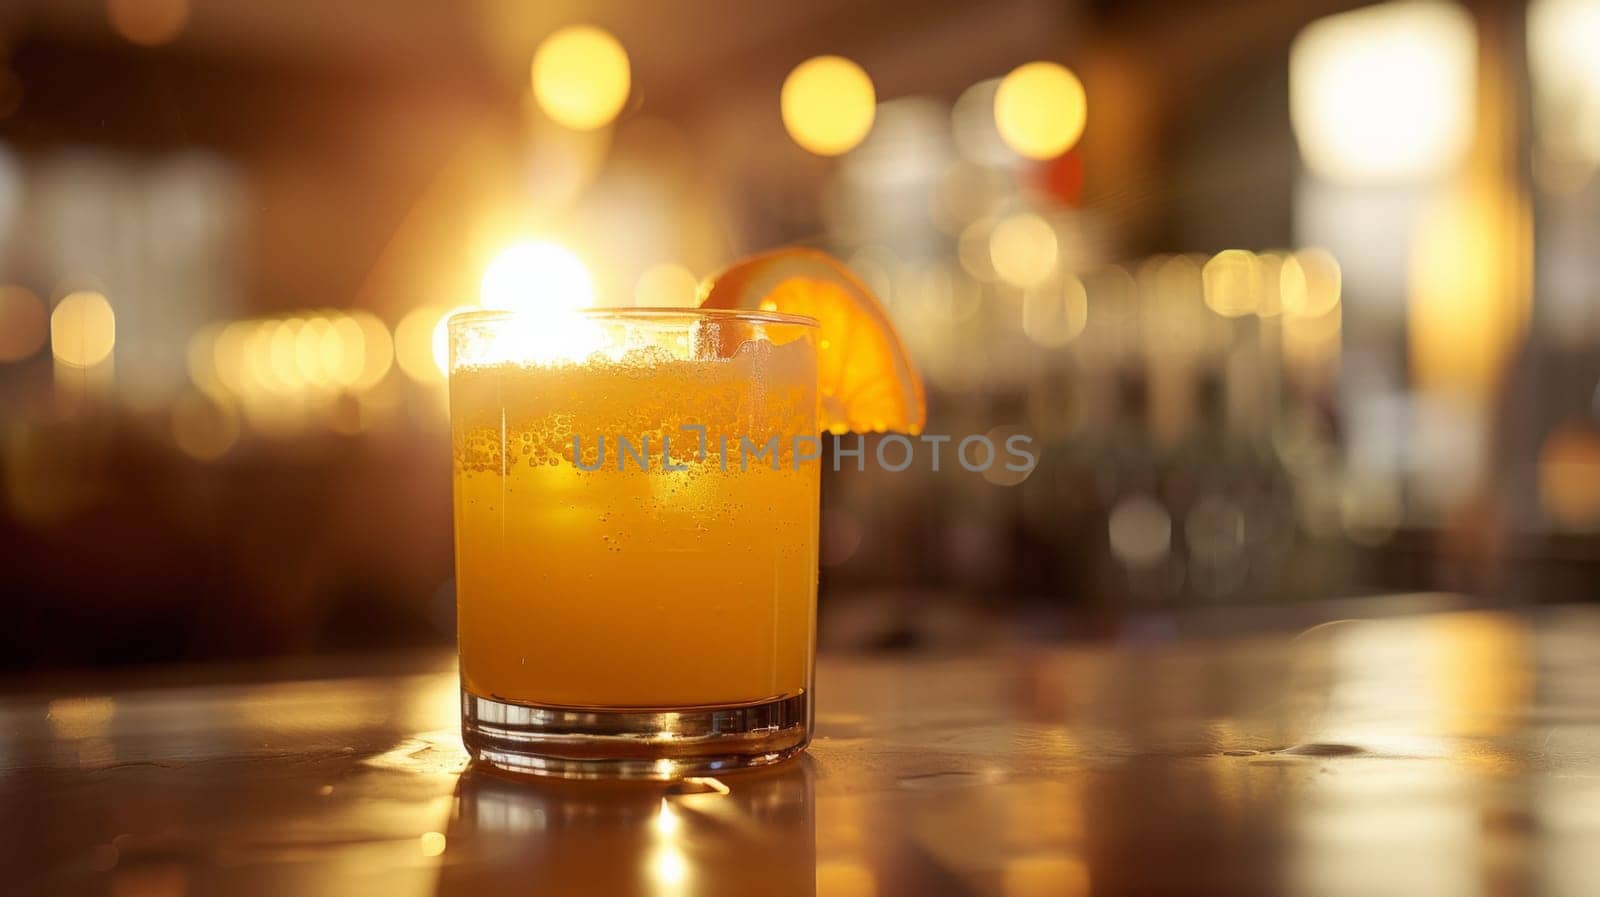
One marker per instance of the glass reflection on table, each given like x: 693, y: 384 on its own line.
x: 748, y: 833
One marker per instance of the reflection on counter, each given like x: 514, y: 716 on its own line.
x: 1437, y: 754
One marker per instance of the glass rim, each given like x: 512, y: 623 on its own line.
x: 649, y: 312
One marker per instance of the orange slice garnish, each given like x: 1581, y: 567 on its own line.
x: 866, y: 381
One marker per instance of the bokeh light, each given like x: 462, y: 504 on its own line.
x: 23, y: 323
x: 322, y: 352
x: 828, y: 105
x: 666, y: 285
x: 1269, y: 270
x: 201, y: 360
x: 230, y: 358
x: 536, y: 276
x: 377, y: 349
x: 1231, y: 281
x: 83, y: 329
x: 414, y: 343
x: 1562, y: 36
x: 203, y: 427
x: 1384, y: 93
x: 878, y: 266
x: 972, y: 250
x: 973, y: 127
x: 1040, y: 109
x: 1140, y: 530
x: 281, y: 353
x: 1002, y: 472
x: 1309, y: 283
x: 581, y: 77
x: 1569, y: 476
x: 1053, y: 314
x: 1023, y: 249
x: 148, y: 23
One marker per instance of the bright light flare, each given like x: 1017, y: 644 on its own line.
x: 545, y: 285
x: 536, y: 276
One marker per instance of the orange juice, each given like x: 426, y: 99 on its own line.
x: 637, y: 588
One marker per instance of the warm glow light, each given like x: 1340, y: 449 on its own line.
x: 1057, y: 875
x: 581, y: 77
x: 1468, y: 289
x: 669, y: 868
x: 414, y: 343
x: 258, y: 356
x: 1569, y: 477
x: 317, y: 352
x: 545, y: 284
x: 229, y: 358
x: 828, y: 105
x: 1232, y: 283
x: 667, y: 820
x: 536, y: 276
x: 23, y: 323
x: 1309, y: 283
x: 1054, y: 314
x: 148, y: 23
x: 972, y: 249
x: 1312, y: 342
x: 1384, y: 93
x: 839, y: 878
x: 281, y: 352
x: 432, y: 843
x: 202, y: 360
x: 1040, y: 109
x: 75, y: 718
x: 377, y: 349
x: 83, y: 329
x: 540, y: 329
x: 666, y: 285
x: 1269, y: 297
x: 1023, y: 249
x: 1562, y: 37
x: 973, y: 126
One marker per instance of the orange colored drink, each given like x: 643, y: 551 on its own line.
x: 628, y: 559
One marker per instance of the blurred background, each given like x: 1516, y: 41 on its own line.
x: 1297, y: 298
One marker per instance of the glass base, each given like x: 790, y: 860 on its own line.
x: 594, y: 743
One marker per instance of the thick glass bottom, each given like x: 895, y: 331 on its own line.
x: 593, y: 743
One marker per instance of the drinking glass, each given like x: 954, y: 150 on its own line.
x: 636, y: 503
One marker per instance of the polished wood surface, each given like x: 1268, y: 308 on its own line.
x: 1433, y: 755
